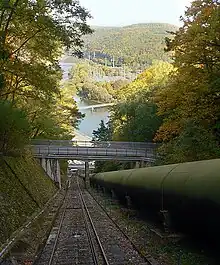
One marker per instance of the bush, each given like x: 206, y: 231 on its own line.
x: 193, y: 144
x: 14, y: 128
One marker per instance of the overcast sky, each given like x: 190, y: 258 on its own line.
x: 126, y: 12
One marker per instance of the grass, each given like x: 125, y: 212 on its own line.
x: 24, y: 189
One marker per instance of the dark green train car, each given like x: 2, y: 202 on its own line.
x: 189, y: 192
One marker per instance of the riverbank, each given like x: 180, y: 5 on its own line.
x: 79, y: 136
x: 92, y: 119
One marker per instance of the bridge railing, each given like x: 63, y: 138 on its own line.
x: 96, y: 106
x: 95, y: 144
x: 76, y: 152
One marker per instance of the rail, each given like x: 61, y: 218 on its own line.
x: 82, y: 153
x: 87, y: 214
x: 94, y: 150
x: 57, y: 237
x: 112, y: 144
x: 150, y: 260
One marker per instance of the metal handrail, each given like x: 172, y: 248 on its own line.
x: 96, y: 144
x: 60, y: 151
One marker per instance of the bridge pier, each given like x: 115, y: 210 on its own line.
x: 52, y: 168
x: 43, y: 163
x: 140, y: 164
x: 49, y: 169
x: 56, y: 172
x: 137, y: 164
x: 86, y: 177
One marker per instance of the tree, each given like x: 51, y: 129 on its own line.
x: 193, y: 143
x: 33, y: 36
x: 193, y: 89
x: 83, y: 79
x: 135, y: 121
x: 56, y: 119
x: 135, y: 46
x: 192, y: 93
x: 14, y: 128
x: 103, y: 133
x: 135, y: 118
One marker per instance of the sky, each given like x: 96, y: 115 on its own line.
x: 127, y: 12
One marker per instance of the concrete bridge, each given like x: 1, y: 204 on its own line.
x: 50, y: 152
x: 98, y: 106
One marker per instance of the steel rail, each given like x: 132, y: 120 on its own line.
x: 88, y: 231
x: 60, y: 226
x: 59, y: 229
x: 147, y: 258
x: 57, y: 236
x: 93, y: 226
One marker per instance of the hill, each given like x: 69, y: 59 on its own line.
x: 135, y: 45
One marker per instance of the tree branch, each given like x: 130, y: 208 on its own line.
x: 8, y: 21
x: 25, y: 42
x: 1, y: 18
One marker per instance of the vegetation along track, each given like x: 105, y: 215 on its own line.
x: 84, y: 234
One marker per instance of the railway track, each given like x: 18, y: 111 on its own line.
x: 148, y: 259
x: 89, y: 232
x: 84, y: 234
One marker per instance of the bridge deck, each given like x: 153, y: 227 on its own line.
x: 95, y: 151
x: 97, y: 106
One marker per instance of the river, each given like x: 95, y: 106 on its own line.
x: 92, y: 119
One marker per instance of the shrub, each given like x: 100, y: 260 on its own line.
x: 14, y: 128
x: 194, y: 143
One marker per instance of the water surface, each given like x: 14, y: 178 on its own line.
x: 92, y: 119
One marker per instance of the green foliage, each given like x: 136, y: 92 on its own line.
x: 33, y: 36
x: 103, y: 133
x: 106, y: 166
x: 192, y: 93
x: 135, y: 121
x: 148, y: 82
x: 193, y: 144
x: 136, y: 45
x: 95, y: 91
x: 24, y: 189
x: 14, y: 128
x: 135, y: 118
x: 84, y: 80
x: 56, y: 119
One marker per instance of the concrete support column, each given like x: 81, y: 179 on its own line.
x: 137, y: 164
x: 52, y: 168
x: 55, y: 171
x: 86, y: 171
x: 48, y: 168
x: 44, y: 164
x: 58, y: 177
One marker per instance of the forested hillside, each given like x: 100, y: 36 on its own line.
x: 177, y: 104
x: 136, y: 45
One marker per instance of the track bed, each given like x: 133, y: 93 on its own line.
x: 84, y: 234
